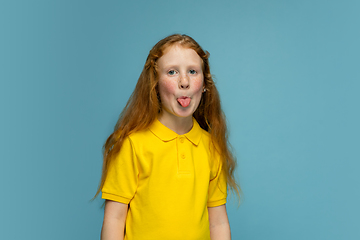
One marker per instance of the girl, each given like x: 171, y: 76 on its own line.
x: 167, y: 164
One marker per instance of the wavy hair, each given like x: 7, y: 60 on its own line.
x: 144, y: 106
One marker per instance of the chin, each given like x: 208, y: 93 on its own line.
x: 182, y: 115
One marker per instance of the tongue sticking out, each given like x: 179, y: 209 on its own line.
x: 184, y: 101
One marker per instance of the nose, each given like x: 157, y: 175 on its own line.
x: 184, y: 82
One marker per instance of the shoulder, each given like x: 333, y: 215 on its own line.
x: 209, y: 142
x: 139, y: 136
x: 205, y: 133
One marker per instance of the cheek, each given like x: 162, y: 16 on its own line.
x: 166, y: 86
x: 197, y: 84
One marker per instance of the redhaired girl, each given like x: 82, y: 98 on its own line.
x: 167, y: 165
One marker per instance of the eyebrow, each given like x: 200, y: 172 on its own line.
x: 176, y: 66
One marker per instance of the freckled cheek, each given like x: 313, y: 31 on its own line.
x: 167, y: 86
x: 197, y: 84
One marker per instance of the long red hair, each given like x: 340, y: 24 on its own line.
x: 144, y: 106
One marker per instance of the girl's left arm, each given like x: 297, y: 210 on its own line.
x: 219, y: 223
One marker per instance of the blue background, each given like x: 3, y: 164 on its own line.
x: 288, y: 74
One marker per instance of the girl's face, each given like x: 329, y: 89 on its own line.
x: 181, y: 82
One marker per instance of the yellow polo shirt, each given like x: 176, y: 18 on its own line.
x: 169, y: 181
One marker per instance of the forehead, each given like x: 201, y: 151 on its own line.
x: 177, y: 54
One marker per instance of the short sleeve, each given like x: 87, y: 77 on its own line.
x: 122, y: 178
x: 217, y: 187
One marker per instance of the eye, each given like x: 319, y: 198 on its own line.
x: 172, y: 72
x: 192, y: 71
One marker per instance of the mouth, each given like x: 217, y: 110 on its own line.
x: 184, y: 101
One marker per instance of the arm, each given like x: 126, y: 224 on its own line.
x: 114, y: 221
x: 219, y: 223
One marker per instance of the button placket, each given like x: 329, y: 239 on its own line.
x: 182, y: 158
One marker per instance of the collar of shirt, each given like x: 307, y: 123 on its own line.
x: 166, y: 134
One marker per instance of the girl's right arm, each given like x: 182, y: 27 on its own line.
x: 114, y: 221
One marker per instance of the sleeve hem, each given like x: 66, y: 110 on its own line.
x: 216, y: 203
x: 116, y: 198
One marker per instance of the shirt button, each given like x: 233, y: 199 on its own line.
x: 182, y: 156
x: 182, y: 140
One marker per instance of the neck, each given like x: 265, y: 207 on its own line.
x: 180, y: 125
